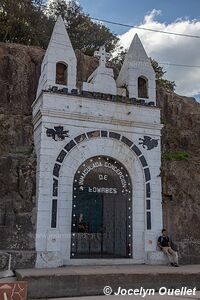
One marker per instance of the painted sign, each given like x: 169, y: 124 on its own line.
x: 13, y: 291
x: 104, y: 172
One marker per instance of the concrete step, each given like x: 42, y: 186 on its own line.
x: 151, y: 297
x: 7, y: 279
x: 76, y: 281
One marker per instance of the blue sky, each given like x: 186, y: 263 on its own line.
x: 132, y: 12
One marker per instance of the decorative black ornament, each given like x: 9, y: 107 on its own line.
x: 148, y: 143
x: 58, y: 134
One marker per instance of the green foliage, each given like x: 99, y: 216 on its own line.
x: 176, y: 156
x: 29, y: 22
x: 24, y: 21
x: 85, y: 34
x: 158, y: 69
x: 168, y: 85
x: 118, y: 59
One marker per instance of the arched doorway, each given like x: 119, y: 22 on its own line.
x: 101, y: 210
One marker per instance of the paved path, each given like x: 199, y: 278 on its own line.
x: 8, y: 279
x: 116, y: 269
x: 139, y: 269
x: 155, y: 297
x: 90, y: 280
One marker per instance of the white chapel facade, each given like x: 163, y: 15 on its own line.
x: 98, y: 160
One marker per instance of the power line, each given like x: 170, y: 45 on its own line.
x: 177, y: 65
x: 159, y: 31
x: 147, y: 29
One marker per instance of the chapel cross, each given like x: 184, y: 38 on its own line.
x: 102, y: 55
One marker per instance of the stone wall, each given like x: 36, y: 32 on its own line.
x: 19, y: 74
x: 181, y: 172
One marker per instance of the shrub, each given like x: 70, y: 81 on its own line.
x: 176, y: 156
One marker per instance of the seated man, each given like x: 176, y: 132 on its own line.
x: 164, y: 244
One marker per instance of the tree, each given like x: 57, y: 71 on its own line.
x: 85, y: 34
x: 168, y: 85
x: 118, y: 59
x: 158, y: 69
x: 24, y: 21
x: 29, y: 22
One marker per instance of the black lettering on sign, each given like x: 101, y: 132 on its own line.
x: 102, y: 190
x: 103, y: 177
x: 102, y: 174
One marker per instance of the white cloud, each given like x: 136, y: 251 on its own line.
x: 172, y: 49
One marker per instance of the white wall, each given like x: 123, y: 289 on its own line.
x: 80, y: 115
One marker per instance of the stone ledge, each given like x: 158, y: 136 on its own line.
x: 100, y: 96
x: 156, y: 258
x: 90, y: 280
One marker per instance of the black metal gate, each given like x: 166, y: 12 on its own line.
x: 102, y: 210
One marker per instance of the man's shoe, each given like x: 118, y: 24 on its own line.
x: 176, y: 265
x: 172, y: 264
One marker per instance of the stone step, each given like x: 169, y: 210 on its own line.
x: 74, y: 281
x: 156, y: 296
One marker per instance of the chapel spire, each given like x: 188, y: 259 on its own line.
x: 136, y: 51
x: 59, y: 64
x: 137, y: 73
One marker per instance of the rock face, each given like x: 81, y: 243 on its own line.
x: 19, y: 74
x: 181, y: 172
